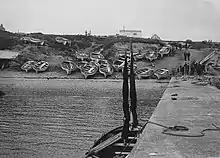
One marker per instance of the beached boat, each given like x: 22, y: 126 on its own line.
x: 82, y: 56
x: 105, y: 68
x: 139, y: 56
x: 96, y: 56
x: 162, y: 73
x: 81, y: 64
x: 63, y: 41
x: 28, y: 65
x: 118, y: 65
x: 32, y: 40
x: 41, y: 66
x: 164, y: 51
x: 89, y: 69
x: 120, y: 141
x: 68, y: 66
x: 151, y: 56
x: 145, y: 72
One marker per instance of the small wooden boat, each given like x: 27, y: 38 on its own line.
x: 164, y: 51
x: 28, y: 65
x: 151, y: 56
x: 118, y: 65
x: 81, y: 64
x: 111, y: 144
x: 63, y: 41
x: 139, y: 56
x: 68, y: 66
x: 32, y: 40
x: 89, y: 70
x: 106, y: 69
x: 41, y: 66
x: 96, y: 56
x: 82, y: 56
x: 145, y: 72
x: 161, y: 73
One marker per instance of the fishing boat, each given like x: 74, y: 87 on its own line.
x: 82, y: 56
x: 145, y: 72
x: 41, y: 66
x: 105, y: 68
x: 151, y: 56
x: 96, y: 56
x: 81, y: 64
x: 164, y: 51
x: 32, y: 40
x: 139, y: 56
x: 89, y: 69
x: 68, y: 66
x: 28, y: 65
x: 63, y: 41
x: 161, y: 73
x: 120, y: 141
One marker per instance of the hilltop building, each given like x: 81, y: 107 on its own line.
x: 131, y: 33
x: 2, y: 27
x: 156, y: 37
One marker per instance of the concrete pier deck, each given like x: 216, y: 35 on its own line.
x: 198, y: 109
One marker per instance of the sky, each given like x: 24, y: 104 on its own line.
x: 169, y: 19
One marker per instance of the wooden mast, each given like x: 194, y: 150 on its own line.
x: 125, y: 90
x: 133, y: 93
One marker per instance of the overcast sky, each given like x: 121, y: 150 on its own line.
x: 170, y: 19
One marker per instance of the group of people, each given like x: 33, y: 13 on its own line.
x: 192, y: 68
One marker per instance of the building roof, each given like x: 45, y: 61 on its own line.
x: 129, y: 30
x: 155, y: 36
x: 7, y: 54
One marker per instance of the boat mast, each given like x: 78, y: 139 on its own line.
x: 133, y: 94
x: 125, y: 90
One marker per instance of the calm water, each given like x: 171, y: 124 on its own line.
x: 55, y: 122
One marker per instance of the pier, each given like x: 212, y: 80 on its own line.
x: 195, y: 111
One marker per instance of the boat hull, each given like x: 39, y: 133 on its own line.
x: 68, y: 66
x: 111, y: 144
x: 41, y: 66
x: 28, y: 65
x: 89, y: 70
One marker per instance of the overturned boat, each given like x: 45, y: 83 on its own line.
x: 89, y: 69
x: 105, y: 68
x: 162, y: 73
x: 151, y: 56
x: 28, y: 65
x: 41, y: 66
x: 68, y: 66
x: 120, y: 141
x: 145, y: 72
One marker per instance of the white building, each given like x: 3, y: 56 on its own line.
x: 131, y: 33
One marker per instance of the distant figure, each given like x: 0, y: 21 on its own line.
x: 185, y: 54
x: 188, y: 55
